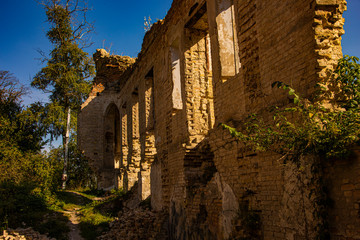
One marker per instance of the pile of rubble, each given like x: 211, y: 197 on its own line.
x: 23, y: 234
x: 138, y: 223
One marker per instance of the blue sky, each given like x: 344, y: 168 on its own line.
x: 351, y: 39
x: 118, y: 24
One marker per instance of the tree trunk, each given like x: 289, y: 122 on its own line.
x: 66, y: 148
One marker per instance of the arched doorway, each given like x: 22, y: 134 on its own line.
x: 112, y: 145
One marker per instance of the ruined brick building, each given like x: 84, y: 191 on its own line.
x: 154, y: 120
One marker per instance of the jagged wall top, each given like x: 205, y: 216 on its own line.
x: 109, y: 66
x: 109, y: 69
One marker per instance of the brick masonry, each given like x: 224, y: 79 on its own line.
x: 211, y: 62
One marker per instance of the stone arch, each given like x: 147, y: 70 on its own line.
x: 112, y: 139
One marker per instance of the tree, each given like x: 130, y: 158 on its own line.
x: 10, y: 89
x: 68, y: 68
x: 19, y: 126
x: 27, y: 177
x: 79, y: 171
x: 21, y: 132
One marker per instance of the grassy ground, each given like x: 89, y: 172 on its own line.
x: 27, y: 207
x: 96, y: 210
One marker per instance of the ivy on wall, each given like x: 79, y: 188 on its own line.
x: 327, y: 125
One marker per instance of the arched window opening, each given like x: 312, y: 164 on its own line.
x: 112, y: 146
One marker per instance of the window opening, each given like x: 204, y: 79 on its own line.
x: 227, y: 38
x: 198, y: 75
x: 176, y: 75
x: 112, y: 141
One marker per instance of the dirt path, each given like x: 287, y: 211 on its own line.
x: 73, y: 224
x: 74, y: 213
x: 74, y: 218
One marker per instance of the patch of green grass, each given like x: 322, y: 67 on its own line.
x: 93, y: 193
x: 93, y: 222
x: 117, y: 192
x: 96, y: 216
x: 44, y: 211
x: 71, y: 200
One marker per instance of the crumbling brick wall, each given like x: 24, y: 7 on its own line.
x: 211, y: 62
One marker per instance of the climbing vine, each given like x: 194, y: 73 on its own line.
x: 327, y: 125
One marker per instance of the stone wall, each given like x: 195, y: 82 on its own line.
x: 343, y: 183
x: 211, y: 62
x: 96, y: 117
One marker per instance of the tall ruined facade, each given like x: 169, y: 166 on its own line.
x: 154, y: 120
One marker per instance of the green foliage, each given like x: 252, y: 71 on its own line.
x: 346, y: 87
x: 54, y: 119
x: 26, y: 176
x: 80, y: 175
x: 95, y: 215
x: 69, y: 200
x: 68, y: 68
x: 93, y: 223
x: 25, y: 204
x: 93, y: 193
x: 55, y: 226
x: 67, y: 72
x: 17, y: 199
x: 26, y: 184
x: 311, y: 126
x: 19, y: 126
x: 21, y: 138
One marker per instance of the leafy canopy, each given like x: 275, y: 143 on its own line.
x: 68, y: 67
x: 19, y: 127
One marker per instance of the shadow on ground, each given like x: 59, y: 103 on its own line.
x: 73, y: 198
x: 23, y: 205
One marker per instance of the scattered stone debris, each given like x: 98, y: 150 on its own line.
x: 23, y: 234
x: 138, y: 223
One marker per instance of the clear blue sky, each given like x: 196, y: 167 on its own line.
x: 118, y: 23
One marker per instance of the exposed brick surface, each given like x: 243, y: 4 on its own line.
x: 172, y: 145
